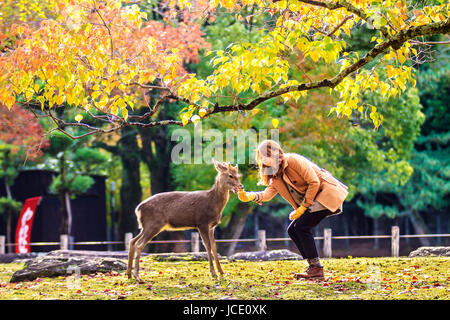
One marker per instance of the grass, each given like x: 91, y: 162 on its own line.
x: 350, y: 278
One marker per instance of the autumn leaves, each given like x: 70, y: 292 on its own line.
x: 103, y: 58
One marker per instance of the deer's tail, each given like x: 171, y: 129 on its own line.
x: 137, y: 211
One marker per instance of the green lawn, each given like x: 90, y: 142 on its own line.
x: 351, y: 278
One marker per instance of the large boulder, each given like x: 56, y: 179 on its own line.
x: 430, y: 251
x: 270, y: 255
x: 57, y: 264
x: 91, y: 254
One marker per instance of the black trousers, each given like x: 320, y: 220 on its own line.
x: 300, y: 231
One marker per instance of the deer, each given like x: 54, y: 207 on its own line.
x: 182, y: 210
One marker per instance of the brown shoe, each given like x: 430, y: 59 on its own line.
x: 312, y: 273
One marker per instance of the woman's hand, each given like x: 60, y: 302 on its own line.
x: 297, y: 213
x: 246, y: 196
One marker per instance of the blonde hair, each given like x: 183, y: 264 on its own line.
x: 268, y: 148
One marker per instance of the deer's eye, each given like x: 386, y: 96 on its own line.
x: 230, y: 176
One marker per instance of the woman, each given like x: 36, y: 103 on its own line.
x: 312, y: 191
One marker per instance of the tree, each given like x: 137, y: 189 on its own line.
x: 21, y: 139
x: 75, y: 164
x: 96, y: 56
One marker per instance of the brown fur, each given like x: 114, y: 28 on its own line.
x: 180, y: 210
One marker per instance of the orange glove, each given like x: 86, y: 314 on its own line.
x: 297, y: 213
x: 246, y: 196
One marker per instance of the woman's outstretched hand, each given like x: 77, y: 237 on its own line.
x: 297, y: 213
x: 246, y: 196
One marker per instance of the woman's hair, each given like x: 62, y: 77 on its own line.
x: 268, y: 148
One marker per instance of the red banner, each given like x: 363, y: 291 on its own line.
x: 24, y: 224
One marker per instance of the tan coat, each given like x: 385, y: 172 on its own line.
x: 306, y: 177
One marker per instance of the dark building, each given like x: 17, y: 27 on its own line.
x: 88, y: 211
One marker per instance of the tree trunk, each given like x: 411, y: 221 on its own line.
x: 64, y: 198
x: 69, y: 213
x: 130, y: 190
x: 8, y: 220
x: 419, y: 226
x: 376, y: 241
x: 234, y: 229
x: 66, y: 221
x: 8, y: 230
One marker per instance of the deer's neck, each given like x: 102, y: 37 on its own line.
x: 220, y: 193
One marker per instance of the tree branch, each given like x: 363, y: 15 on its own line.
x: 395, y: 42
x: 109, y: 31
x: 339, y: 4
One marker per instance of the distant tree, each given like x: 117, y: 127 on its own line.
x: 21, y: 139
x: 75, y: 164
x: 98, y: 55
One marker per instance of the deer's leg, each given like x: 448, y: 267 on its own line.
x: 204, y: 233
x: 141, y: 242
x: 214, y: 250
x: 131, y: 253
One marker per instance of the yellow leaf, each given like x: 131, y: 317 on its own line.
x: 36, y: 87
x: 195, y: 119
x: 60, y: 100
x: 184, y: 119
x: 78, y: 117
x: 103, y: 102
x: 275, y: 122
x: 314, y: 55
x: 347, y: 30
x: 28, y: 95
x: 401, y: 57
x: 114, y: 110
x: 125, y: 113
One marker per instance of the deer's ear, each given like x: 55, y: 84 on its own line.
x: 219, y: 166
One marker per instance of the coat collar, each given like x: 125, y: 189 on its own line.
x: 285, y: 162
x: 285, y: 177
x: 282, y: 184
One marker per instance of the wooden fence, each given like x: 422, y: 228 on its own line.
x: 260, y: 241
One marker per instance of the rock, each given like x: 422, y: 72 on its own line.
x: 54, y: 265
x: 430, y: 251
x: 185, y: 256
x: 92, y: 254
x: 270, y: 255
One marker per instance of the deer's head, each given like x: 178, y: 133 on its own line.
x: 229, y: 175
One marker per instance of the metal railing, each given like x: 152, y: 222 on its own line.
x: 260, y: 241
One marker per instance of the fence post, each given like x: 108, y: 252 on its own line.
x: 195, y: 243
x: 262, y: 244
x: 64, y: 241
x: 128, y: 237
x: 327, y: 250
x: 2, y: 244
x: 395, y: 241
